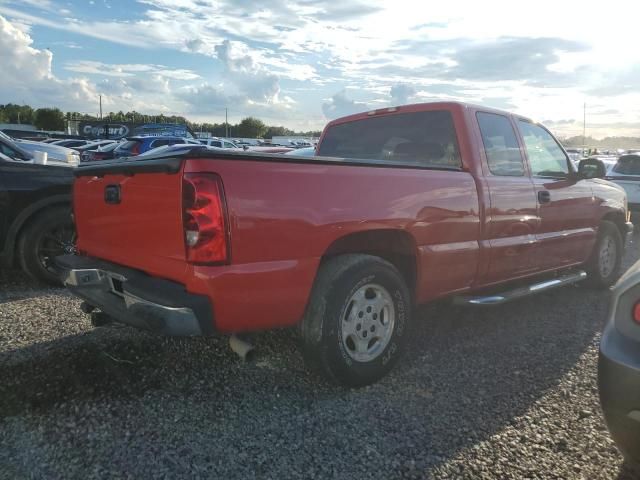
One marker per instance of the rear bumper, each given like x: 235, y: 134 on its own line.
x: 136, y: 299
x: 619, y: 388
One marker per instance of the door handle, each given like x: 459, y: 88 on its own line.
x: 544, y: 196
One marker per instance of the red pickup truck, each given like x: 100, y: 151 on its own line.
x: 401, y: 206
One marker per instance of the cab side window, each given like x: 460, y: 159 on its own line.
x: 500, y: 145
x: 546, y: 157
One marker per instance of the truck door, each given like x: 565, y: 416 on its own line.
x: 511, y: 217
x: 565, y: 204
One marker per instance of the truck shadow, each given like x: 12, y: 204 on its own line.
x: 466, y: 370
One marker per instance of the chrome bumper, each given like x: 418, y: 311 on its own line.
x: 133, y: 300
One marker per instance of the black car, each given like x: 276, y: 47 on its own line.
x: 619, y: 366
x: 35, y: 213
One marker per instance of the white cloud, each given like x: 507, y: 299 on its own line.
x: 401, y: 93
x: 128, y: 70
x: 26, y: 73
x: 339, y: 105
x: 249, y: 78
x: 289, y: 55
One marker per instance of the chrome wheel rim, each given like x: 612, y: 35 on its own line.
x: 367, y: 322
x: 607, y: 257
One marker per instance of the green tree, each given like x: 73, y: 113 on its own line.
x: 49, y: 119
x: 14, y: 113
x: 277, y: 132
x: 250, y: 127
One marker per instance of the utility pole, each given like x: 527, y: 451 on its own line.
x: 584, y: 126
x: 226, y: 122
x: 100, y: 106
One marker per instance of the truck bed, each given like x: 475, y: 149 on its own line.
x: 284, y: 214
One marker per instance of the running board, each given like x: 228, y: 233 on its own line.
x: 509, y: 295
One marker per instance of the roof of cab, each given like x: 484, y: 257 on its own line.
x: 420, y: 107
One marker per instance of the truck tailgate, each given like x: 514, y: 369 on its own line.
x: 133, y: 220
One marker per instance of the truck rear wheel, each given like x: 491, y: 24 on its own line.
x: 603, y: 267
x: 355, y: 326
x: 48, y: 235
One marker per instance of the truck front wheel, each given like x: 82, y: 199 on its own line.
x: 603, y: 267
x: 356, y: 324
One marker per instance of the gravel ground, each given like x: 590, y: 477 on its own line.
x: 506, y: 392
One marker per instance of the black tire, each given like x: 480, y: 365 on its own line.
x: 323, y: 346
x: 49, y: 234
x: 597, y: 278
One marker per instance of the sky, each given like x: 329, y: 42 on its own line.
x: 300, y: 63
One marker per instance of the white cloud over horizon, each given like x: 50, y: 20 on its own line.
x: 301, y: 62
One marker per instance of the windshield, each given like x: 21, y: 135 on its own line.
x: 4, y: 136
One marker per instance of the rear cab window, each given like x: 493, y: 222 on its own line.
x: 417, y: 139
x: 546, y: 157
x: 500, y: 145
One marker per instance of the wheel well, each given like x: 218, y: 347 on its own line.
x: 395, y: 246
x: 619, y: 220
x: 23, y: 224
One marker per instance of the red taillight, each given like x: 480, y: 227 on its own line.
x: 636, y: 312
x: 205, y: 227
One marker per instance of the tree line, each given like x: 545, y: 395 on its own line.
x: 607, y: 142
x: 57, y: 120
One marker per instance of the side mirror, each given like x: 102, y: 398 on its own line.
x: 592, y: 168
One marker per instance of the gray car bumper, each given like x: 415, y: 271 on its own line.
x: 619, y: 388
x: 136, y: 299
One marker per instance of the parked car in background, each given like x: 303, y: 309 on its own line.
x: 85, y: 150
x: 219, y: 142
x: 626, y: 173
x: 136, y: 145
x: 55, y: 153
x: 175, y: 148
x: 304, y: 152
x: 608, y: 160
x: 71, y: 143
x: 95, y: 144
x: 17, y: 151
x: 401, y: 206
x: 101, y: 153
x: 575, y: 155
x: 35, y: 216
x: 619, y: 366
x: 13, y: 152
x: 251, y: 148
